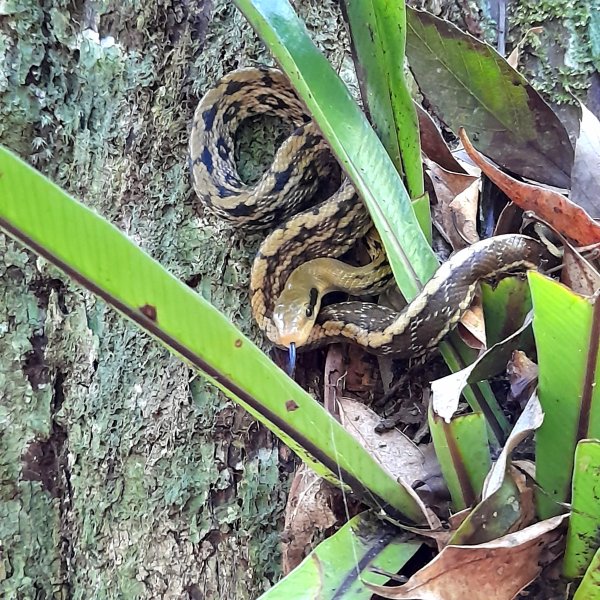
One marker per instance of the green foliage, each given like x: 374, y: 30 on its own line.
x: 351, y: 137
x: 138, y: 287
x: 346, y: 560
x: 105, y: 261
x: 582, y: 538
x: 378, y: 34
x: 461, y: 446
x: 567, y: 385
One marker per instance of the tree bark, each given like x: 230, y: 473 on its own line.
x: 122, y: 473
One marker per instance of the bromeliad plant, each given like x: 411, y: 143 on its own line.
x: 510, y: 123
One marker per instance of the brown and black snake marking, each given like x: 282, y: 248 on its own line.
x: 438, y: 307
x: 326, y: 230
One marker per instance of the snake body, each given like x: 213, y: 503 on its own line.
x: 281, y: 199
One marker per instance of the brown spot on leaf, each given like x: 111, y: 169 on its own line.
x: 149, y: 311
x: 291, y: 405
x: 238, y: 343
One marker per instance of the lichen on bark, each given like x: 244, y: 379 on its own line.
x: 559, y: 60
x: 122, y: 472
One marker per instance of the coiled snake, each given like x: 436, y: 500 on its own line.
x: 285, y: 296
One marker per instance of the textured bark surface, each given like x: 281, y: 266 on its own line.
x: 121, y: 471
x: 122, y: 474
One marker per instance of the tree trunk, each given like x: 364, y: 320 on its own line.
x: 123, y: 474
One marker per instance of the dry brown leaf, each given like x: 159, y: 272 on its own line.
x: 522, y: 375
x: 523, y: 473
x: 335, y: 370
x: 464, y: 210
x: 308, y: 514
x: 497, y: 570
x: 472, y: 326
x: 513, y: 58
x: 433, y: 144
x: 554, y: 208
x: 392, y: 449
x: 403, y: 460
x: 457, y: 223
x: 585, y: 176
x: 578, y: 273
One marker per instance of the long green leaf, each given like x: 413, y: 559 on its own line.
x: 589, y: 588
x: 505, y: 306
x: 99, y: 257
x: 378, y: 36
x: 566, y: 327
x: 350, y: 136
x: 461, y: 446
x: 340, y: 565
x: 582, y: 537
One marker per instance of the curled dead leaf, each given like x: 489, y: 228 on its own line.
x: 308, y: 514
x: 433, y: 144
x: 554, y: 208
x: 496, y: 570
x: 522, y: 376
x: 455, y: 212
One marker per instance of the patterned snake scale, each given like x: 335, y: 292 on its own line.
x: 282, y: 199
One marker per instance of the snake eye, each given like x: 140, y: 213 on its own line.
x: 312, y: 302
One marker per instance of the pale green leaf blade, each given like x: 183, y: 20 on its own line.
x: 461, y: 446
x: 589, y: 588
x: 378, y: 36
x: 505, y: 305
x: 582, y: 536
x: 98, y: 256
x: 340, y: 564
x: 565, y: 326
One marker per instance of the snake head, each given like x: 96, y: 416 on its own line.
x: 295, y: 313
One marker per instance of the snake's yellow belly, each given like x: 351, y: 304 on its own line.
x: 282, y: 199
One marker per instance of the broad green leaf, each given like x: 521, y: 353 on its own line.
x: 98, y: 256
x: 351, y: 138
x: 566, y: 327
x: 505, y: 306
x: 338, y: 566
x: 461, y: 446
x: 582, y: 537
x: 589, y: 589
x: 378, y: 37
x: 468, y: 84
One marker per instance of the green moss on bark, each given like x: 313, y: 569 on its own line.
x: 560, y: 60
